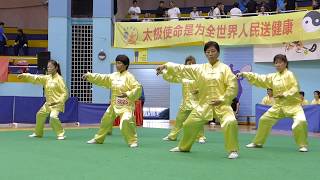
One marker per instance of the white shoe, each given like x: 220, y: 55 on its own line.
x: 303, y: 149
x: 176, y: 149
x: 233, y: 155
x: 253, y: 145
x: 133, y: 145
x: 166, y: 138
x: 202, y: 140
x: 32, y: 135
x: 92, y: 141
x: 61, y: 138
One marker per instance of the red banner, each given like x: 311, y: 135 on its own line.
x: 4, y: 63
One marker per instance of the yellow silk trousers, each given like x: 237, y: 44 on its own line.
x: 55, y: 123
x: 181, y: 117
x: 276, y: 112
x: 198, y: 117
x: 127, y: 126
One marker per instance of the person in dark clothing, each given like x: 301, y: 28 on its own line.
x: 291, y: 4
x: 21, y: 42
x: 3, y: 39
x: 161, y: 11
x: 273, y: 5
x: 251, y: 7
x: 235, y: 106
x: 142, y: 98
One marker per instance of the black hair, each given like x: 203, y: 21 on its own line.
x: 301, y: 93
x: 56, y: 64
x: 1, y: 23
x: 212, y: 44
x: 282, y: 58
x: 134, y: 1
x: 236, y: 4
x: 189, y: 58
x: 124, y: 59
x: 318, y: 92
x: 20, y: 30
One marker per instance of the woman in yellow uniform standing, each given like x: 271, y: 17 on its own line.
x: 125, y: 90
x: 217, y: 87
x: 56, y: 95
x: 287, y: 103
x: 189, y: 102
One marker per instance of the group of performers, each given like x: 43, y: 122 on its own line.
x: 208, y: 90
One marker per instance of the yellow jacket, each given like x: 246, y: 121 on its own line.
x: 268, y: 101
x: 119, y: 83
x: 215, y: 82
x: 283, y: 83
x: 304, y: 102
x: 190, y: 100
x: 315, y: 101
x: 55, y: 89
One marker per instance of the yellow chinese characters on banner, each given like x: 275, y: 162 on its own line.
x: 231, y: 31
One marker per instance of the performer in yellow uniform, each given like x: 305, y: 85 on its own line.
x: 189, y: 102
x: 268, y: 100
x: 56, y: 95
x: 316, y: 95
x: 125, y: 90
x: 217, y: 87
x: 303, y: 100
x: 287, y: 103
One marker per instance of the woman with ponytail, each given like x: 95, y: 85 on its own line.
x: 56, y: 94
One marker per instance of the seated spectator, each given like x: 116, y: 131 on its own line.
x: 174, y: 12
x: 218, y: 11
x: 266, y: 6
x: 303, y: 100
x: 194, y: 13
x: 147, y: 18
x: 134, y: 11
x: 316, y: 95
x: 268, y: 100
x: 21, y: 42
x: 3, y: 39
x: 262, y: 11
x: 235, y: 106
x: 235, y: 12
x: 210, y: 13
x: 161, y: 11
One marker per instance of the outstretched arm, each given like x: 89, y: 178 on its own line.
x: 263, y: 81
x: 35, y: 79
x: 98, y: 79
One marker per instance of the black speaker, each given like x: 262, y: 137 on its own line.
x: 43, y: 58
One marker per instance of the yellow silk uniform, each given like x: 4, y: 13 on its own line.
x: 119, y: 83
x: 284, y: 84
x: 56, y: 93
x: 215, y: 82
x: 304, y: 102
x: 315, y: 101
x: 267, y: 100
x: 189, y: 102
